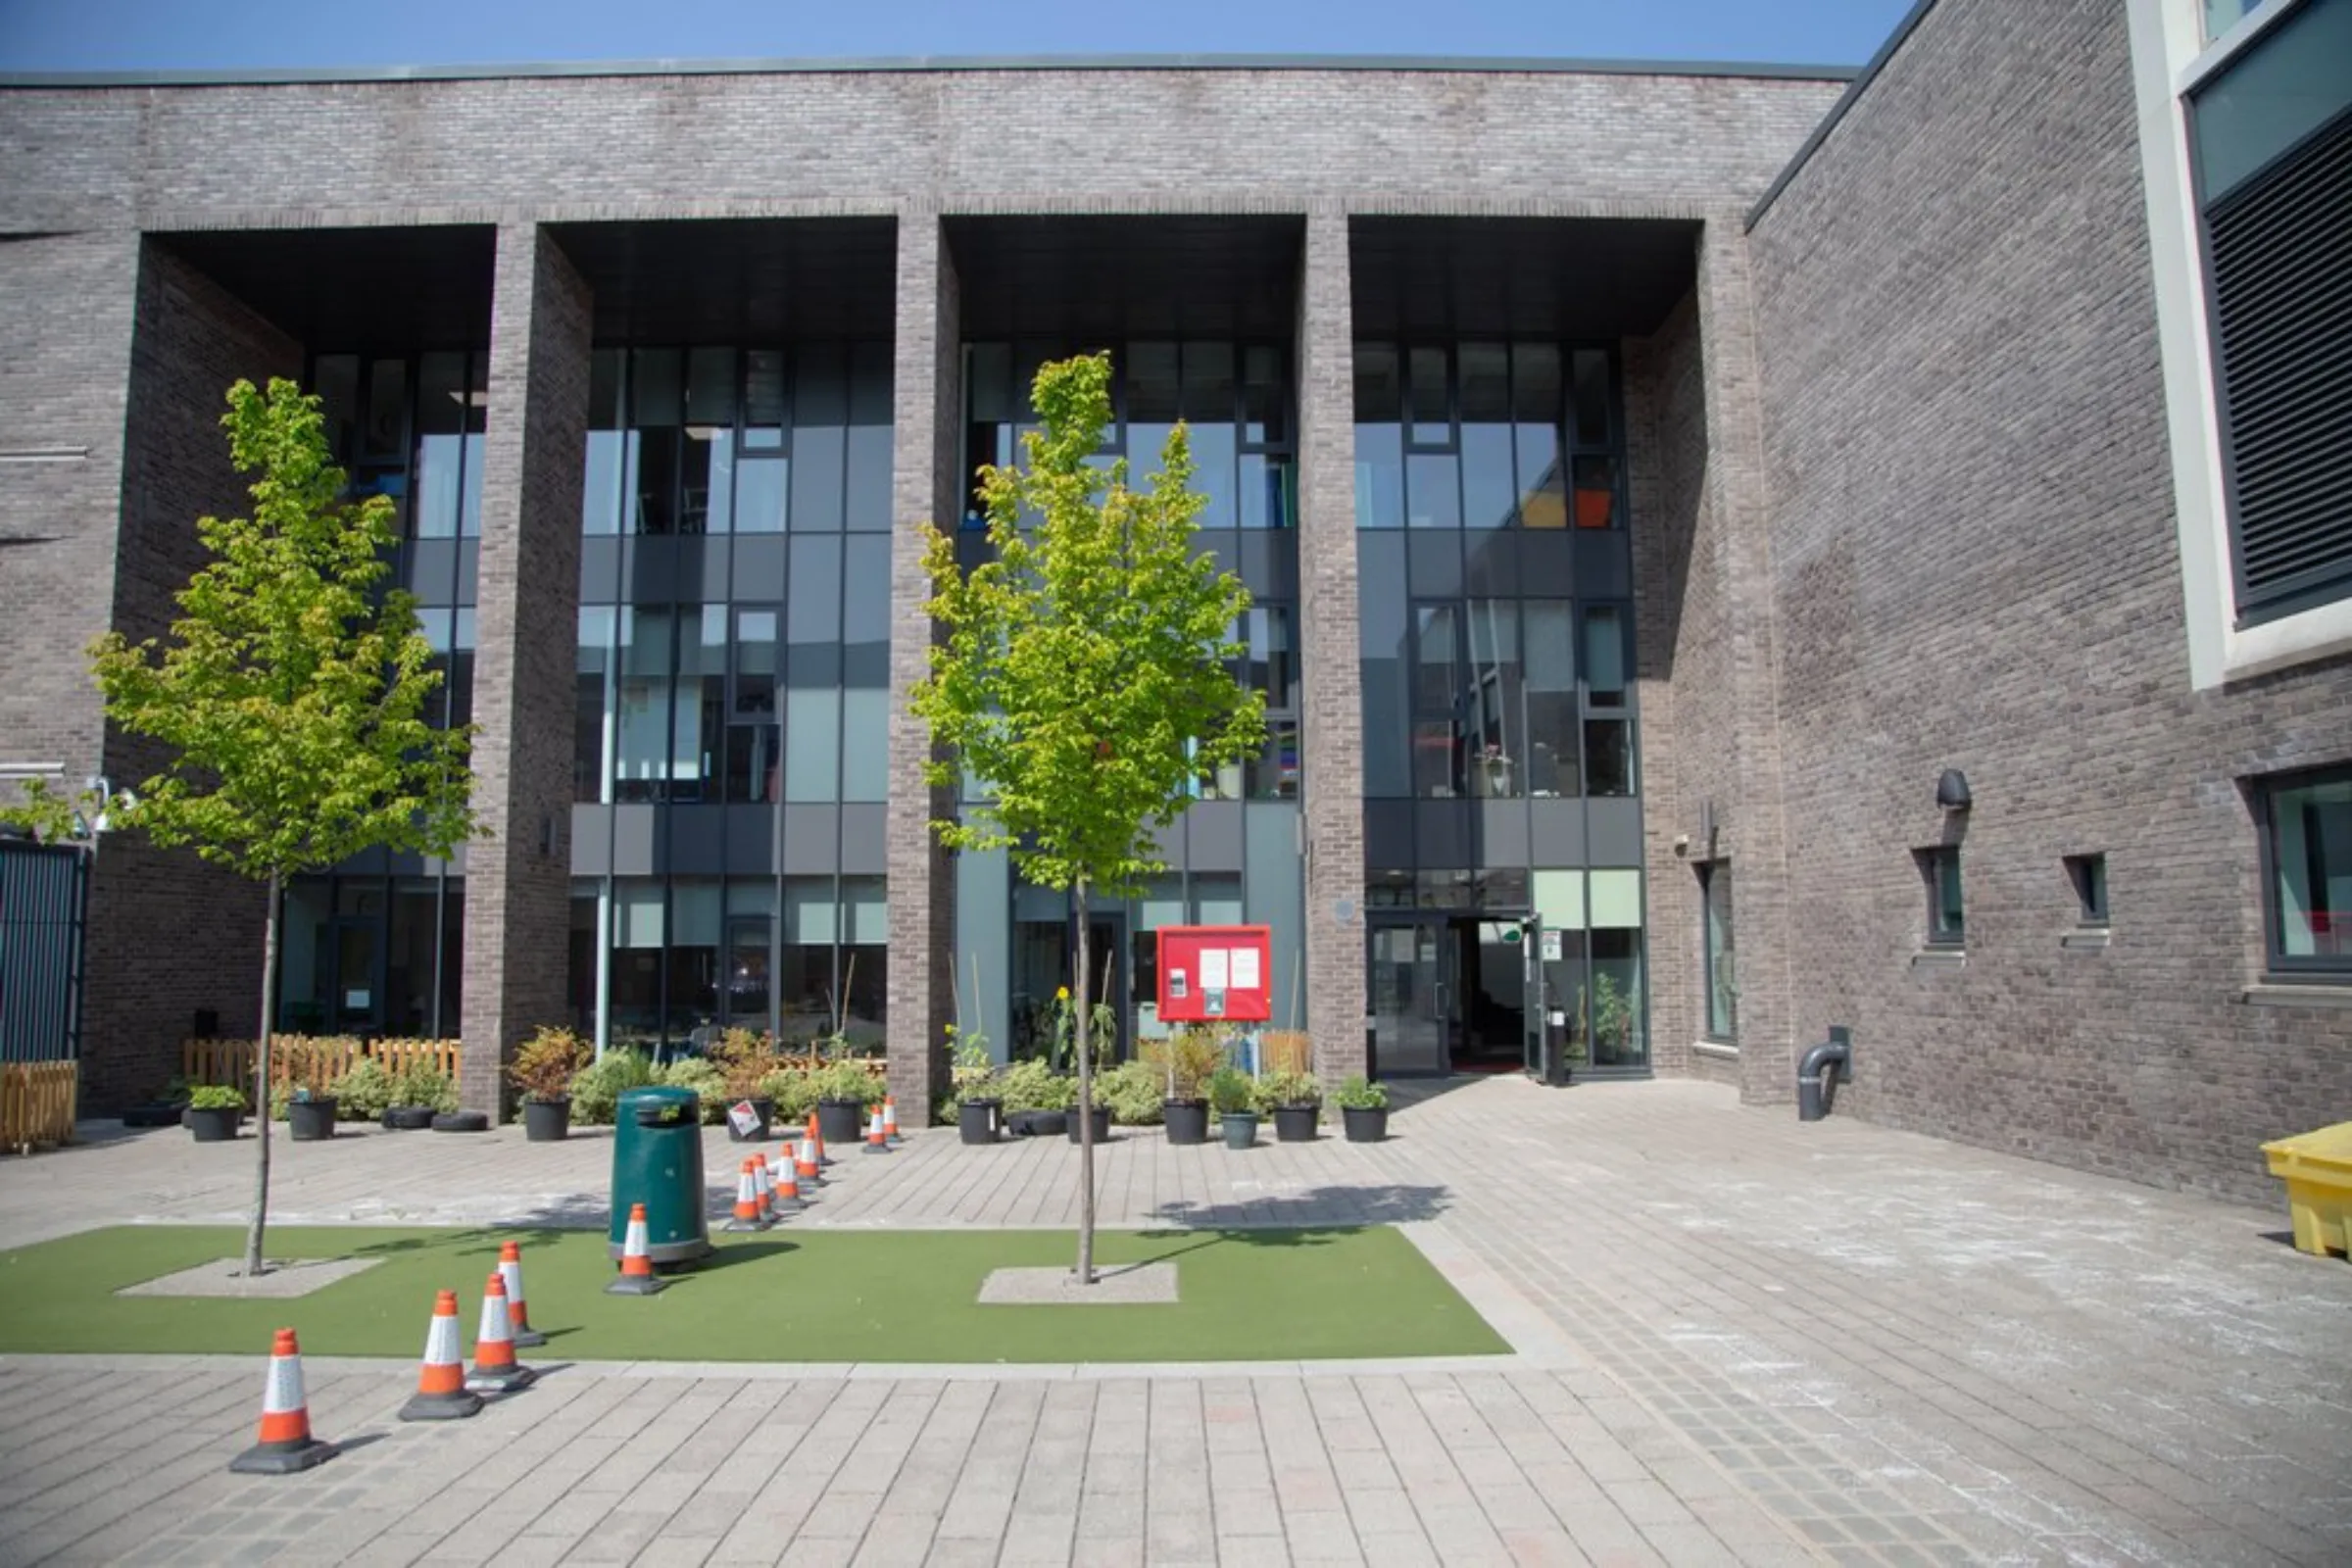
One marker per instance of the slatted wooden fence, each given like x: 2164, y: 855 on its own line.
x: 36, y: 1103
x: 313, y: 1062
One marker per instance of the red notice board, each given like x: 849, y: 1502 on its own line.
x: 1208, y: 972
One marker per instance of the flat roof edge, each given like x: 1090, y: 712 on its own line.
x: 1855, y: 88
x: 1468, y: 65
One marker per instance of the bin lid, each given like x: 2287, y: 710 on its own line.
x: 662, y: 1105
x: 2328, y: 1147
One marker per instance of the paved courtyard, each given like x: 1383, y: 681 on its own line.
x: 1739, y: 1340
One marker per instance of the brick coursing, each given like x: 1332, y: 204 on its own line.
x: 1973, y: 548
x: 517, y: 882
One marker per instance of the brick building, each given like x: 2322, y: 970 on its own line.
x: 1654, y: 481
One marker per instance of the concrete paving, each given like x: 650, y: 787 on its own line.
x: 1739, y: 1340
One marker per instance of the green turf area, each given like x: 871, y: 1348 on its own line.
x: 784, y: 1296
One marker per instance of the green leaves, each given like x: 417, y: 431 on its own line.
x: 1083, y: 672
x: 291, y: 694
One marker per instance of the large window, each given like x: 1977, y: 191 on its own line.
x: 1940, y: 871
x: 1722, y: 971
x: 1486, y: 435
x: 2307, y: 872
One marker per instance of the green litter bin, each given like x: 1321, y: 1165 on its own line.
x: 658, y: 1161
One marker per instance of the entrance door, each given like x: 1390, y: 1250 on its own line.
x: 746, y: 988
x: 353, y: 1005
x: 1534, y: 1004
x: 1412, y: 982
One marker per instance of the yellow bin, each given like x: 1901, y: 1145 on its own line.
x: 2317, y: 1168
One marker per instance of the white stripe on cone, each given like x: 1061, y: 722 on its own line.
x: 511, y: 1270
x: 634, y: 1243
x: 763, y: 1190
x: 283, y: 1395
x: 494, y: 1320
x: 441, y: 1348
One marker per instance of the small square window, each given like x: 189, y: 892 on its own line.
x: 2307, y: 871
x: 1939, y: 869
x: 2088, y: 873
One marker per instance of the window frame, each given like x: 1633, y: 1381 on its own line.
x: 1936, y: 861
x: 2312, y: 969
x: 2087, y: 876
x: 1729, y: 1034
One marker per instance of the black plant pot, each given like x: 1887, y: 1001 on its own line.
x: 1187, y: 1121
x: 1296, y: 1124
x: 158, y: 1115
x: 213, y: 1126
x: 1072, y: 1123
x: 547, y: 1121
x: 763, y: 1107
x: 1366, y: 1124
x: 312, y: 1120
x: 1241, y: 1128
x: 978, y: 1120
x: 841, y: 1122
x: 407, y: 1118
x: 1035, y: 1123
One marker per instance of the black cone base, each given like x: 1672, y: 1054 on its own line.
x: 525, y: 1339
x: 512, y: 1381
x: 877, y: 1148
x: 441, y: 1406
x: 640, y: 1286
x: 282, y: 1460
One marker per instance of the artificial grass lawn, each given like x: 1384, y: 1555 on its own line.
x: 783, y: 1296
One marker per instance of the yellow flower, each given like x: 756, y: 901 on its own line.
x: 1062, y: 993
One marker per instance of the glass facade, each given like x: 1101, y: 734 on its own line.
x: 732, y: 698
x: 1498, y: 664
x: 377, y: 949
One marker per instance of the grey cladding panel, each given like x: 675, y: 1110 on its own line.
x: 1614, y: 826
x: 811, y: 839
x: 1558, y: 833
x: 862, y: 849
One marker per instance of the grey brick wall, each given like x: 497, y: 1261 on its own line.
x: 518, y: 883
x: 929, y: 390
x: 168, y: 933
x: 1972, y: 545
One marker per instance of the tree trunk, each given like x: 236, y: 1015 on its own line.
x: 1085, y: 1111
x: 254, y: 1266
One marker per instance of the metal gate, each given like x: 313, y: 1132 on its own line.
x: 44, y: 890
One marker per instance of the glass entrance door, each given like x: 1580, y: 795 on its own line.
x: 353, y: 1004
x: 1413, y: 979
x: 1533, y: 1002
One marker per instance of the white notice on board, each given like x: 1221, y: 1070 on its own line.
x: 1215, y: 974
x: 1245, y: 969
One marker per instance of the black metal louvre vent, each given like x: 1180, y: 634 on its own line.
x: 2282, y: 252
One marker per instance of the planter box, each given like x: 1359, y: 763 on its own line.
x: 978, y: 1121
x: 312, y: 1120
x: 841, y: 1122
x: 1241, y: 1128
x: 409, y: 1118
x: 1366, y: 1124
x: 212, y: 1126
x: 547, y: 1121
x: 1296, y: 1124
x: 1187, y: 1121
x: 1073, y: 1122
x: 155, y: 1115
x: 1036, y: 1123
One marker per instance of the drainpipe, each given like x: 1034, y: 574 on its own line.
x: 1825, y: 1066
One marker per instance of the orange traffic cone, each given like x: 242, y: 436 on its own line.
x: 877, y: 1142
x: 285, y: 1444
x: 816, y: 1135
x: 495, y: 1369
x: 441, y: 1392
x: 636, y: 1260
x: 747, y: 1200
x: 889, y: 1120
x: 804, y: 1163
x: 788, y: 1193
x: 765, y: 1191
x: 519, y: 1316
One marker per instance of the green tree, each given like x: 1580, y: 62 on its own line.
x: 1083, y: 678
x: 290, y: 695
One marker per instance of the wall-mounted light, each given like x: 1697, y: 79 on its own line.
x: 1951, y: 791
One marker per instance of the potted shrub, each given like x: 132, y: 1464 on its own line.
x: 543, y: 1070
x: 845, y: 1091
x: 1233, y: 1094
x: 1297, y: 1101
x: 743, y: 1058
x: 311, y: 1117
x: 1363, y: 1110
x: 167, y: 1108
x: 213, y: 1112
x: 979, y: 1114
x: 1073, y: 1124
x: 791, y: 1093
x: 1191, y: 1053
x: 421, y: 1091
x: 364, y: 1093
x: 1037, y: 1099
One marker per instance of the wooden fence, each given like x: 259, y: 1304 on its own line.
x: 36, y: 1103
x: 313, y: 1062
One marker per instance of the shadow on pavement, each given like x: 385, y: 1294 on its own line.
x: 1380, y: 1203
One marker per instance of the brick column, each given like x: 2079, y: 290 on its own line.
x: 517, y: 880
x: 924, y: 486
x: 1332, y: 719
x: 1749, y: 827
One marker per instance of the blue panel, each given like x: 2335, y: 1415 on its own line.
x: 1492, y: 569
x: 751, y: 840
x: 698, y: 840
x: 1603, y: 568
x: 1548, y: 563
x: 1389, y: 835
x: 758, y: 572
x: 1441, y: 834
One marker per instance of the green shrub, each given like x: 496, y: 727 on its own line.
x: 597, y: 1089
x: 1034, y: 1086
x: 848, y: 1080
x: 1134, y: 1093
x: 1231, y: 1090
x: 1289, y: 1089
x: 364, y: 1093
x: 420, y: 1084
x: 1360, y: 1093
x: 794, y: 1091
x: 215, y: 1096
x: 704, y: 1078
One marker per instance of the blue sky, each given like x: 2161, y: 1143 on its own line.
x: 162, y: 35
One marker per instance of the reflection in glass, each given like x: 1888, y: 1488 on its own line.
x: 1723, y: 986
x: 591, y: 738
x: 1488, y: 487
x: 608, y: 444
x: 1608, y: 757
x: 1592, y: 398
x: 1605, y: 655
x: 1430, y: 422
x: 1433, y: 490
x: 820, y: 415
x: 2311, y: 865
x: 1553, y: 747
x: 1536, y: 409
x: 1595, y: 493
x: 1379, y: 437
x: 641, y: 763
x: 1494, y: 746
